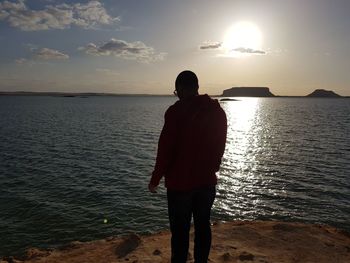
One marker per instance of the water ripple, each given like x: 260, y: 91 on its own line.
x: 66, y: 164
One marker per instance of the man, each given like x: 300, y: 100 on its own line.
x: 190, y: 149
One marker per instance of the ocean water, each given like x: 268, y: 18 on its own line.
x: 78, y: 168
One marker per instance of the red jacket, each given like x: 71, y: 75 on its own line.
x: 191, y: 144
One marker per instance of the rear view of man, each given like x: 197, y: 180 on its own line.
x: 190, y: 149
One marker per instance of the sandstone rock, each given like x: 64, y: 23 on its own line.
x: 129, y: 243
x: 227, y: 257
x: 157, y: 252
x: 9, y: 260
x: 246, y: 256
x: 71, y: 245
x: 32, y: 253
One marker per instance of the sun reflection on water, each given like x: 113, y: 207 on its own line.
x: 237, y: 175
x: 241, y: 116
x: 247, y: 186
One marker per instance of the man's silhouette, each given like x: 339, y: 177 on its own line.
x: 190, y: 149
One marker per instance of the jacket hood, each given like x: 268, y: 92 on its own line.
x: 200, y: 102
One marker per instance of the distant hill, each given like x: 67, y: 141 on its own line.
x: 247, y: 92
x: 321, y: 93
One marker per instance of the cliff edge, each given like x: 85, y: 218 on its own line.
x: 239, y: 241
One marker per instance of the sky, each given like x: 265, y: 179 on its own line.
x: 140, y: 46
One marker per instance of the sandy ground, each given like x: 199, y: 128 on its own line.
x: 258, y: 242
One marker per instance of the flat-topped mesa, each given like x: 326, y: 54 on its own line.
x: 321, y: 93
x: 247, y: 92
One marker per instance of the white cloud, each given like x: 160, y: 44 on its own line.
x: 49, y: 54
x: 127, y: 50
x: 21, y: 61
x: 62, y: 16
x: 234, y: 52
x: 13, y: 6
x: 210, y: 45
x: 91, y: 14
x: 42, y: 54
x: 248, y: 51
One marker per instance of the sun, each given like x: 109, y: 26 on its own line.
x: 243, y: 37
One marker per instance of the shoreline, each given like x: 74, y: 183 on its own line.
x: 237, y: 241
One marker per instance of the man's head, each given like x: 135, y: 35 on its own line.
x: 186, y: 84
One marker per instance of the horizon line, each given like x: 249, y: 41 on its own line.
x: 60, y: 93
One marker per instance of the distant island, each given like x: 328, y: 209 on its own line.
x: 321, y: 93
x: 247, y: 92
x: 265, y: 92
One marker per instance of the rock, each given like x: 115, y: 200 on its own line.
x: 329, y: 244
x: 32, y: 253
x: 112, y: 238
x: 246, y: 256
x: 232, y: 247
x: 157, y: 252
x: 71, y: 245
x: 129, y: 244
x: 9, y: 260
x: 227, y: 257
x: 228, y: 99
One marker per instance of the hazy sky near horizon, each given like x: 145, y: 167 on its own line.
x: 139, y: 46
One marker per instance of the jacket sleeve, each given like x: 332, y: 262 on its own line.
x: 221, y: 135
x: 166, y: 147
x: 223, y: 132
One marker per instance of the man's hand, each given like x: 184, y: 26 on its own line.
x: 152, y: 188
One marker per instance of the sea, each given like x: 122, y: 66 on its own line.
x: 77, y: 168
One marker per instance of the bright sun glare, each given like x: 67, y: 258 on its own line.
x: 242, y: 36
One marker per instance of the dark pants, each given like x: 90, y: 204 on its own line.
x: 181, y: 206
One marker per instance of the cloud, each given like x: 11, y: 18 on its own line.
x: 126, y: 50
x: 42, y: 54
x: 210, y: 45
x: 49, y: 54
x: 91, y: 14
x: 3, y: 14
x: 248, y: 51
x: 61, y: 16
x: 21, y: 61
x: 13, y: 6
x: 233, y: 52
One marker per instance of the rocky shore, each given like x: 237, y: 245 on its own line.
x: 239, y: 241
